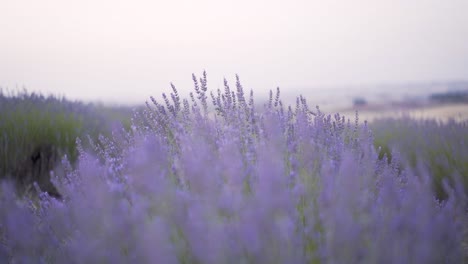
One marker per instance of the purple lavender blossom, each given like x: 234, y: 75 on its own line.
x: 234, y: 184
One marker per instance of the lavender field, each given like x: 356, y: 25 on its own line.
x: 217, y: 177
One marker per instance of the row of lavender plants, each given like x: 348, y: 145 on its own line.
x: 35, y: 130
x: 440, y: 147
x: 217, y: 179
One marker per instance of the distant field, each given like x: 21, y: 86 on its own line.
x: 440, y: 101
x: 441, y: 112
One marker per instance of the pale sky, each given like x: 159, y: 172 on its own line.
x: 125, y: 51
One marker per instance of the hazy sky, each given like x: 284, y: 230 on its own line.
x: 127, y: 50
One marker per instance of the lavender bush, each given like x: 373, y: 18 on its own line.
x: 215, y: 179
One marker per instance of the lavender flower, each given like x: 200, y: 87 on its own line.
x: 236, y: 185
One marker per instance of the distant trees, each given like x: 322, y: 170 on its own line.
x: 359, y: 101
x: 450, y: 97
